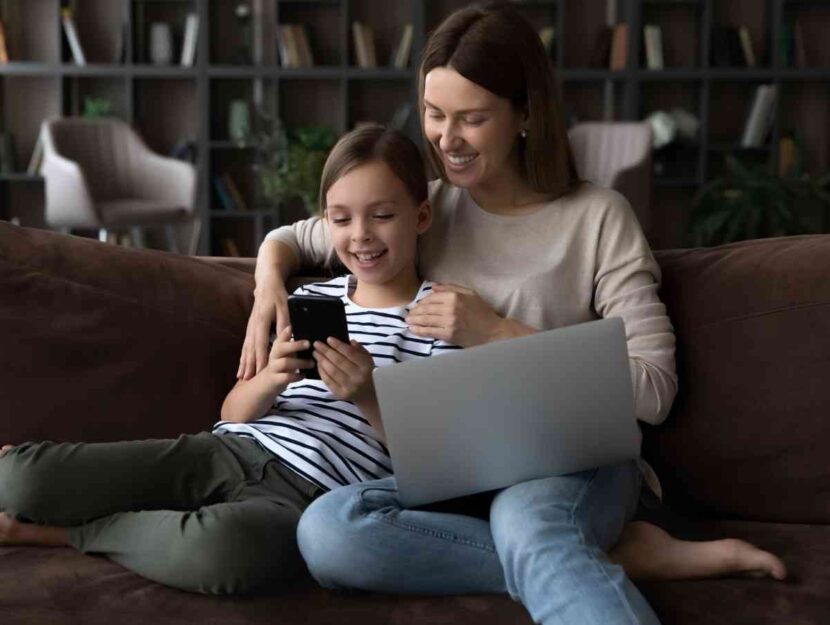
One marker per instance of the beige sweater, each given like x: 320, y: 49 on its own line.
x: 577, y: 259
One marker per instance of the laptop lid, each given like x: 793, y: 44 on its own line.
x: 495, y: 415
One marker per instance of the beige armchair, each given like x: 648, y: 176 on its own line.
x: 617, y: 155
x: 100, y: 175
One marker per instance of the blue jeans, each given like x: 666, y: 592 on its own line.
x: 545, y: 544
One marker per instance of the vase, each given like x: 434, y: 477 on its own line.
x: 161, y: 43
x: 239, y: 121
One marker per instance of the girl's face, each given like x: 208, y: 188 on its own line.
x: 375, y: 223
x: 473, y: 130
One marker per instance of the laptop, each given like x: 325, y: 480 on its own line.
x: 491, y: 416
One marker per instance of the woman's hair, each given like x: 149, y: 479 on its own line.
x: 494, y: 46
x: 376, y: 143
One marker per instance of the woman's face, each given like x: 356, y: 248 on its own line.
x: 473, y: 130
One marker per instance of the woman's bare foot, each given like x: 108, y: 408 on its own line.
x: 647, y: 552
x: 13, y: 532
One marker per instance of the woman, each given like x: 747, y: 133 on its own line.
x: 518, y: 245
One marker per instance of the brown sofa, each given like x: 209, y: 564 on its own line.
x: 100, y: 343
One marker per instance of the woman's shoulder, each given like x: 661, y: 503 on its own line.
x: 443, y: 194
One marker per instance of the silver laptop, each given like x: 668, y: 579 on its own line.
x: 492, y: 416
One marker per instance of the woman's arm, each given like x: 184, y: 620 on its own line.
x: 280, y: 256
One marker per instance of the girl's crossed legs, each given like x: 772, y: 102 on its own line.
x: 197, y: 513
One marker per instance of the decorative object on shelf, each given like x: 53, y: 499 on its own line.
x: 72, y: 36
x: 161, y: 43
x: 239, y: 121
x: 97, y: 107
x: 751, y: 203
x: 33, y: 169
x: 290, y: 166
x: 547, y: 36
x: 191, y: 35
x: 242, y: 14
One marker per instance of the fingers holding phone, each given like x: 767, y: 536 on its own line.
x: 346, y: 368
x: 284, y: 362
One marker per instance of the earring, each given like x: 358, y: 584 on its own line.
x: 523, y: 133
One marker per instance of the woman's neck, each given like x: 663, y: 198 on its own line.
x: 507, y: 194
x: 398, y: 291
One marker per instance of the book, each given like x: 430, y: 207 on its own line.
x: 7, y: 160
x: 369, y: 38
x: 786, y: 43
x: 799, y: 51
x: 602, y: 48
x: 11, y: 12
x: 400, y: 59
x: 72, y: 36
x: 229, y: 247
x: 191, y: 34
x: 222, y: 193
x: 746, y: 46
x: 236, y: 196
x: 619, y: 48
x: 653, y: 40
x: 292, y: 45
x: 787, y: 156
x: 4, y: 49
x: 37, y: 157
x: 360, y: 50
x: 282, y: 47
x: 726, y: 47
x: 306, y: 58
x: 759, y: 120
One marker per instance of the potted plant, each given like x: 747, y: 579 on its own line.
x: 749, y: 202
x: 291, y: 165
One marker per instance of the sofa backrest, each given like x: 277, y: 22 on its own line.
x: 749, y: 433
x: 100, y: 342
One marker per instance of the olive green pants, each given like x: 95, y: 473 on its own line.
x: 207, y: 513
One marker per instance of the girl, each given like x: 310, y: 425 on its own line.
x: 519, y: 244
x: 217, y: 512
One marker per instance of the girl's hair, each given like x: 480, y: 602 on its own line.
x: 376, y: 143
x: 494, y: 46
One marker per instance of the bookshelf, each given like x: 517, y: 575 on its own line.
x: 239, y: 60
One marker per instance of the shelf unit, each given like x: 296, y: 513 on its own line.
x: 169, y: 103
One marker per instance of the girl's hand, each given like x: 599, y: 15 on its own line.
x: 346, y: 368
x: 270, y: 304
x: 457, y: 315
x: 283, y: 363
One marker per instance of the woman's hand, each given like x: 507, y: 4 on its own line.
x: 283, y: 363
x: 346, y: 368
x: 457, y: 315
x: 270, y: 305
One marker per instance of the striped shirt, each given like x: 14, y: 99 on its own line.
x: 325, y: 440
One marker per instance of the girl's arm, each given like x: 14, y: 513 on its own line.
x: 250, y: 399
x: 284, y: 251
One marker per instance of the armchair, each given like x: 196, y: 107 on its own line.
x: 616, y: 155
x: 100, y: 175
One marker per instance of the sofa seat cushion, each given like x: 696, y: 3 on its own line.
x: 62, y: 587
x: 801, y: 600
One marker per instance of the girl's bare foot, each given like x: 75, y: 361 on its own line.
x: 647, y: 552
x: 13, y: 532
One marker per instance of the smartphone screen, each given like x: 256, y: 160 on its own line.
x: 316, y: 318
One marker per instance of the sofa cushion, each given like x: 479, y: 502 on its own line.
x: 749, y: 433
x: 101, y: 342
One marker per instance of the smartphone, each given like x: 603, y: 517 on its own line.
x: 316, y: 318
